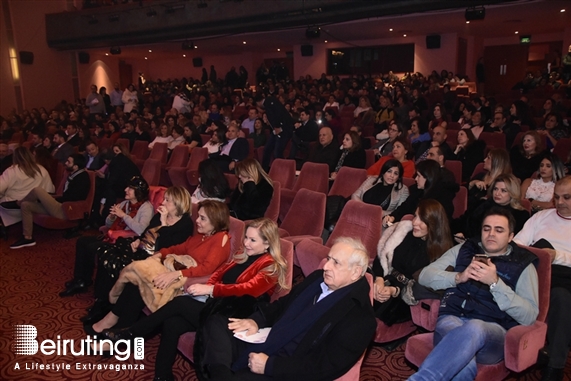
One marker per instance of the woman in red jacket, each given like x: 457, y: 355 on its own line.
x: 254, y: 271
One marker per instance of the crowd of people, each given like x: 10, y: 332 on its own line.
x: 403, y: 131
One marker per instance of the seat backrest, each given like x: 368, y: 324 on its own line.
x: 124, y: 142
x: 543, y: 268
x: 151, y: 171
x: 197, y: 155
x: 360, y: 220
x: 313, y: 176
x: 179, y: 156
x: 452, y: 137
x: 408, y: 181
x: 205, y: 138
x: 348, y: 180
x: 306, y: 215
x: 370, y: 158
x: 91, y: 194
x: 156, y: 196
x: 250, y: 147
x: 479, y: 168
x: 283, y: 170
x: 287, y: 254
x: 159, y: 152
x: 236, y: 235
x: 493, y: 139
x: 273, y: 210
x: 518, y: 138
x: 460, y: 202
x: 455, y: 166
x: 232, y: 180
x: 140, y: 150
x: 562, y: 148
x: 105, y: 143
x: 526, y: 204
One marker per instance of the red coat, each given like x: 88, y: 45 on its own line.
x: 208, y: 254
x: 252, y: 281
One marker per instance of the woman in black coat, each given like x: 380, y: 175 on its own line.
x: 352, y: 154
x: 254, y: 193
x: 526, y: 155
x: 469, y: 151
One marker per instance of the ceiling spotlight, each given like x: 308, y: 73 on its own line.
x: 325, y: 41
x: 106, y: 54
x: 244, y: 42
x: 92, y: 20
x: 146, y: 58
x: 516, y: 32
x: 475, y: 13
x: 404, y: 35
x: 151, y: 13
x: 279, y: 50
x: 563, y: 10
x: 391, y: 29
x: 467, y: 22
x: 150, y: 51
x: 202, y: 4
x: 313, y: 32
x: 184, y: 55
x: 114, y: 18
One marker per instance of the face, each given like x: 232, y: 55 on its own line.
x: 254, y: 244
x: 551, y: 122
x: 325, y: 136
x: 46, y: 142
x: 258, y: 124
x: 252, y: 114
x: 433, y: 155
x: 3, y: 150
x: 393, y: 131
x: 168, y: 203
x: 548, y: 104
x: 562, y: 198
x: 164, y: 130
x: 93, y: 89
x: 391, y: 176
x: 439, y: 135
x: 203, y: 224
x: 528, y: 144
x: 337, y: 272
x: 116, y: 150
x: 462, y: 137
x: 499, y: 120
x: 232, y: 133
x: 437, y: 112
x: 70, y: 130
x: 477, y: 118
x: 303, y: 116
x: 399, y: 152
x: 347, y: 142
x: 130, y: 194
x: 496, y: 234
x: 419, y: 228
x: 414, y: 127
x: 513, y: 110
x: 545, y: 169
x: 69, y: 165
x: 501, y: 194
x: 488, y: 163
x: 92, y: 150
x: 420, y: 180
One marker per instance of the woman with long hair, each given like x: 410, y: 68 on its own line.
x: 212, y: 184
x: 385, y: 190
x: 164, y: 136
x: 553, y: 129
x: 496, y: 163
x: 255, y: 273
x: 254, y: 192
x: 259, y: 135
x: 539, y: 191
x: 352, y: 154
x: 439, y: 117
x: 527, y: 154
x: 386, y: 139
x: 17, y: 181
x: 469, y: 151
x: 403, y: 251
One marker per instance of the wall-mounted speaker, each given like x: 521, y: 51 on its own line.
x: 197, y: 62
x: 433, y: 42
x: 306, y: 50
x: 26, y: 58
x: 83, y: 57
x: 474, y: 14
x: 115, y: 50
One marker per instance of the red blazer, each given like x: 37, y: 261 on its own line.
x: 252, y: 281
x: 208, y: 254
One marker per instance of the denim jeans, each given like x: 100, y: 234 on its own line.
x: 460, y: 343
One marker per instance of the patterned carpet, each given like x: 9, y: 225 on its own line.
x: 30, y: 280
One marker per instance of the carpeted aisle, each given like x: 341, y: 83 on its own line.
x: 30, y: 280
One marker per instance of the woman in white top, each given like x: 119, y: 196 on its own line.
x: 178, y: 137
x: 212, y: 184
x: 332, y: 103
x: 130, y: 99
x: 164, y: 137
x: 17, y: 181
x: 539, y: 191
x: 214, y: 144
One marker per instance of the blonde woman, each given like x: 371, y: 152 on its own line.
x: 253, y: 274
x: 496, y: 163
x: 254, y: 192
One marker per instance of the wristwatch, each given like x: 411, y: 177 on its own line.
x: 493, y: 285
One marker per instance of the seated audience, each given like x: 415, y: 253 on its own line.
x: 259, y: 134
x: 164, y: 136
x: 386, y: 139
x: 40, y: 201
x: 6, y: 160
x: 365, y: 142
x: 93, y: 158
x: 539, y: 191
x: 418, y: 133
x: 438, y: 139
x: 496, y: 163
x: 297, y: 346
x: 305, y: 132
x: 470, y: 152
x: 401, y: 149
x: 527, y: 154
x: 403, y: 251
x: 177, y: 137
x: 351, y: 155
x: 216, y: 141
x: 62, y: 149
x: 327, y: 152
x: 549, y: 229
x: 252, y: 197
x: 485, y: 296
x: 553, y: 129
x: 440, y: 118
x: 212, y: 184
x: 233, y: 150
x: 192, y: 137
x: 435, y: 153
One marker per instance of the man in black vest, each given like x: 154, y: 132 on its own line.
x: 319, y: 330
x: 493, y: 288
x: 39, y: 201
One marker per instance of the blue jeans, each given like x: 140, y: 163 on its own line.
x: 275, y: 146
x: 460, y: 343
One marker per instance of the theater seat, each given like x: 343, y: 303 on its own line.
x: 313, y: 176
x: 306, y: 216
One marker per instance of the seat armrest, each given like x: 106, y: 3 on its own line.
x: 425, y: 313
x: 75, y: 210
x: 522, y: 345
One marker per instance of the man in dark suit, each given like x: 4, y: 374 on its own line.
x: 306, y: 131
x: 39, y: 201
x: 438, y: 139
x: 235, y: 149
x: 327, y: 151
x: 73, y: 138
x: 282, y: 129
x: 63, y: 149
x: 319, y: 330
x: 93, y: 159
x: 129, y: 133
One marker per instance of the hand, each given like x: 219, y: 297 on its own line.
x: 482, y: 272
x: 278, y: 131
x: 479, y: 184
x: 388, y: 220
x: 239, y: 325
x: 381, y: 292
x: 200, y: 289
x: 162, y: 281
x: 135, y: 245
x: 163, y: 212
x: 257, y: 362
x: 333, y: 175
x: 552, y: 253
x: 231, y: 165
x: 117, y: 211
x: 297, y: 125
x: 376, y: 152
x: 100, y: 174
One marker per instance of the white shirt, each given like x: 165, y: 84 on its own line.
x: 549, y: 225
x: 249, y: 124
x: 227, y: 147
x: 325, y: 290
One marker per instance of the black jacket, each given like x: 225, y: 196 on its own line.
x: 308, y: 132
x: 121, y: 169
x: 470, y: 157
x: 355, y: 159
x: 328, y: 155
x: 443, y: 192
x: 97, y: 162
x: 278, y: 116
x: 253, y: 201
x: 77, y: 188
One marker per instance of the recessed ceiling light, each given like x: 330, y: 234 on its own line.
x: 390, y: 30
x: 146, y: 58
x: 404, y: 35
x: 516, y: 32
x: 184, y: 55
x: 106, y: 54
x: 326, y: 41
x: 195, y: 46
x: 279, y: 49
x: 244, y: 42
x: 563, y: 10
x: 467, y: 22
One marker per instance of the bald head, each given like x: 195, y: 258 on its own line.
x: 562, y: 196
x: 439, y: 135
x: 325, y: 136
